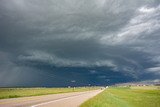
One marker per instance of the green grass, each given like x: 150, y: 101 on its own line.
x: 126, y: 97
x: 24, y: 92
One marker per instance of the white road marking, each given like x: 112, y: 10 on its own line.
x: 56, y: 100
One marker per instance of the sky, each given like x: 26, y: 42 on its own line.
x: 99, y: 42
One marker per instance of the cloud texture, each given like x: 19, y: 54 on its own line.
x: 102, y: 41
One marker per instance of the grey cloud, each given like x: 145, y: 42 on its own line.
x: 120, y: 35
x: 55, y: 61
x: 143, y: 26
x: 154, y: 69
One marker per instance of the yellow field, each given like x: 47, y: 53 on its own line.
x: 22, y: 92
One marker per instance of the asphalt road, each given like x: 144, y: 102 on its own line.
x: 55, y: 100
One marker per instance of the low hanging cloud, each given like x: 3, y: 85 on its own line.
x: 55, y: 61
x: 154, y: 69
x: 118, y: 36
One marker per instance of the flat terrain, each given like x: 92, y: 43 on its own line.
x: 126, y: 97
x: 23, y: 92
x: 73, y: 99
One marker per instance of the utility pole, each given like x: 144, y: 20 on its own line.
x: 89, y: 86
x: 73, y: 81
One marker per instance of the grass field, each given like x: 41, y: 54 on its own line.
x: 126, y: 97
x: 23, y: 92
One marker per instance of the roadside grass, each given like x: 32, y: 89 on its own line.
x: 126, y: 97
x: 24, y: 92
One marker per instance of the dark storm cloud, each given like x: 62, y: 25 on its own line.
x: 120, y: 36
